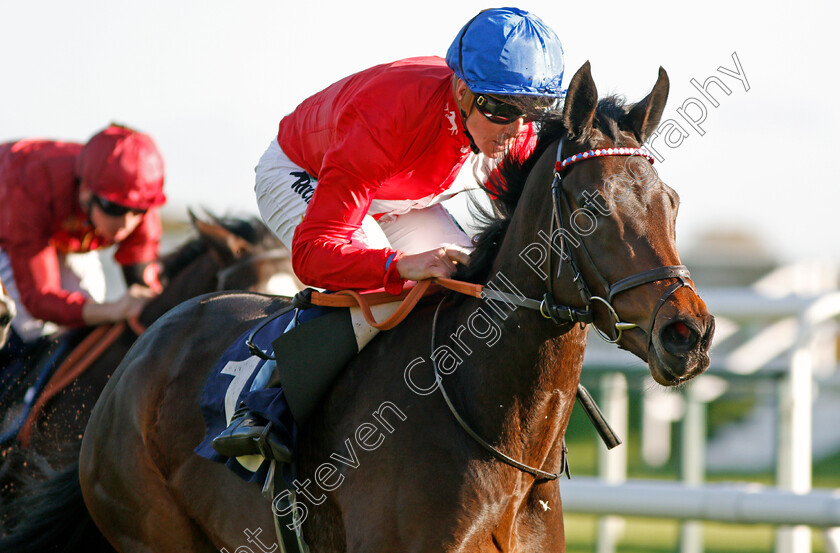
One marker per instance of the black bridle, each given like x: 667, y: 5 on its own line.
x: 559, y: 201
x: 566, y: 314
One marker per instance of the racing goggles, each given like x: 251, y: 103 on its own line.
x: 497, y: 111
x: 114, y: 209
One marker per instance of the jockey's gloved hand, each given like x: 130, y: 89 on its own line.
x: 440, y: 262
x: 129, y: 306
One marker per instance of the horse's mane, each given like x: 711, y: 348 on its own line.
x: 507, y: 184
x: 249, y: 229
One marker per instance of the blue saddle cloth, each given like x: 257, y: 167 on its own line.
x: 240, y: 376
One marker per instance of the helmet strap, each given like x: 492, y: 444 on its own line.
x: 473, y: 145
x: 467, y: 99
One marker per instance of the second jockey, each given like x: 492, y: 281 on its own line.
x: 59, y: 198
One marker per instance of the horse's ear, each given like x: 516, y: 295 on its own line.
x: 213, y: 217
x: 581, y: 101
x: 644, y: 117
x: 225, y: 246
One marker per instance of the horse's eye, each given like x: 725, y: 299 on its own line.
x: 591, y: 207
x: 594, y: 201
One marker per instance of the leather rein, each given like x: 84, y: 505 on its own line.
x: 564, y: 314
x: 103, y: 336
x: 547, y: 306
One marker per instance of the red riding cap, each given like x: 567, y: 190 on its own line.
x: 123, y: 166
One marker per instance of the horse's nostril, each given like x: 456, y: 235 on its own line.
x: 679, y: 338
x: 5, y: 319
x: 682, y: 330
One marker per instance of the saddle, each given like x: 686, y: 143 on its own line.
x: 285, y: 389
x: 295, y: 380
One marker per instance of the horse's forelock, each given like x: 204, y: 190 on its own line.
x: 611, y: 110
x: 509, y: 183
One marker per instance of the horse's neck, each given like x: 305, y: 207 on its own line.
x: 199, y: 277
x: 523, y: 386
x: 517, y: 386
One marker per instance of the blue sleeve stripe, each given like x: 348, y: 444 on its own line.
x: 389, y: 260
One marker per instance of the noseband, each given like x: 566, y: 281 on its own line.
x: 565, y: 314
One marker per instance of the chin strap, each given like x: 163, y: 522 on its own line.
x: 464, y: 113
x: 473, y: 146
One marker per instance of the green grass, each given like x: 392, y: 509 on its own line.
x: 583, y: 443
x: 827, y: 473
x: 647, y: 535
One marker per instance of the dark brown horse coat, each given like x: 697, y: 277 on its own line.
x: 191, y: 270
x: 384, y: 466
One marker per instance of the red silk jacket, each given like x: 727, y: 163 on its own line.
x: 40, y: 216
x: 391, y: 132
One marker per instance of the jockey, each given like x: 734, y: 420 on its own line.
x: 354, y: 180
x: 59, y: 198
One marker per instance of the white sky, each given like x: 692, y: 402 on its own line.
x: 210, y: 80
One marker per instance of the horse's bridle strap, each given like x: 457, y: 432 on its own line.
x: 652, y: 275
x: 536, y: 472
x: 601, y: 152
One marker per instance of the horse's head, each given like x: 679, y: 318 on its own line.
x: 7, y: 313
x: 617, y: 219
x: 227, y: 254
x: 249, y: 256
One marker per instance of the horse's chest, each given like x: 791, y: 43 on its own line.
x: 515, y: 522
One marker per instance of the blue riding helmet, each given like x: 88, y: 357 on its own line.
x: 508, y: 51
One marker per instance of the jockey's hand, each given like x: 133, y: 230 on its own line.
x: 130, y: 305
x: 441, y: 262
x: 135, y: 300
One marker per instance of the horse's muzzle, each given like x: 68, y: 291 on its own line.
x: 680, y: 348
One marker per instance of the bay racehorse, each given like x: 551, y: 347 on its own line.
x: 227, y: 254
x: 385, y: 466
